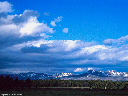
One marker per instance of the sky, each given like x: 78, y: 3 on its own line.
x: 54, y: 36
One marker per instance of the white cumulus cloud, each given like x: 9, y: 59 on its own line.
x: 79, y: 69
x: 65, y: 30
x: 120, y: 40
x: 58, y: 19
x: 33, y: 26
x: 5, y: 7
x: 15, y: 29
x: 53, y: 23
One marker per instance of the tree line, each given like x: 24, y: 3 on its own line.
x: 10, y: 83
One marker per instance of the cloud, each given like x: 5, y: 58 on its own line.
x: 33, y: 27
x: 53, y: 23
x: 90, y: 68
x: 63, y: 50
x: 93, y: 49
x: 52, y: 47
x: 108, y: 41
x: 120, y: 40
x: 32, y: 49
x: 46, y: 14
x: 5, y: 7
x: 80, y: 70
x: 66, y: 54
x: 6, y: 19
x: 25, y: 16
x: 15, y: 29
x: 85, y: 69
x: 58, y: 19
x: 3, y: 14
x: 65, y: 30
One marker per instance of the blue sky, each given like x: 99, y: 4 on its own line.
x: 63, y: 35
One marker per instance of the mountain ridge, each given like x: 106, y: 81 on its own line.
x: 89, y: 74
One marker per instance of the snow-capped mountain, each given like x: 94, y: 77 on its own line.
x: 89, y: 74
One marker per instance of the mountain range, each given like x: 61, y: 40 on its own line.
x: 88, y: 75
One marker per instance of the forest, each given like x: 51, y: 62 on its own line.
x: 7, y: 83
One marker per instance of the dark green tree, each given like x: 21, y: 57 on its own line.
x: 28, y: 83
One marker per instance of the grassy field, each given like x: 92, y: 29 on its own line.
x: 65, y: 92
